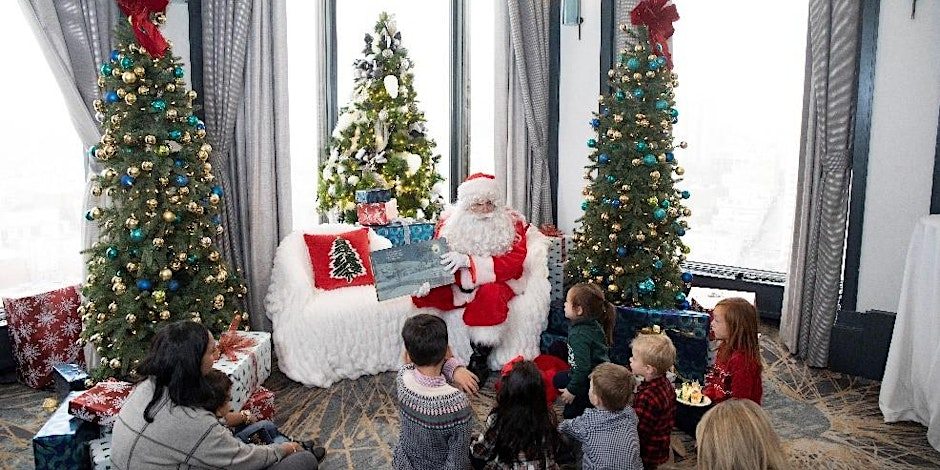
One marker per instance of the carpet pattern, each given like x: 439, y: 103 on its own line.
x: 826, y: 420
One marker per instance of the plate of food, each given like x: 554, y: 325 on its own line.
x: 691, y: 394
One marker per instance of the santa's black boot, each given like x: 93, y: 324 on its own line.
x: 478, y: 362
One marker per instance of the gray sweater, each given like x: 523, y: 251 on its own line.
x: 180, y: 437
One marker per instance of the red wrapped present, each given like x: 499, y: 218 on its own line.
x: 44, y: 330
x: 261, y: 404
x: 377, y: 213
x: 100, y: 404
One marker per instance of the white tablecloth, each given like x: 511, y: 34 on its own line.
x: 910, y: 390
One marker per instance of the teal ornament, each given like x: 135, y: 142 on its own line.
x: 633, y: 64
x: 641, y: 146
x: 662, y: 104
x: 111, y: 252
x: 658, y: 264
x: 611, y: 178
x: 192, y: 120
x: 106, y: 69
x: 649, y: 159
x: 685, y: 194
x: 680, y: 231
x: 665, y: 204
x: 180, y: 180
x: 135, y: 252
x: 638, y: 93
x: 623, y: 58
x: 88, y: 216
x: 660, y: 60
x: 175, y: 134
x: 179, y: 163
x: 127, y: 62
x: 137, y: 235
x: 680, y: 296
x: 620, y: 95
x: 584, y: 205
x: 653, y: 64
x: 178, y: 72
x: 659, y: 214
x: 674, y: 112
x: 592, y: 143
x: 647, y: 286
x: 595, y: 271
x: 158, y: 104
x: 91, y: 151
x: 670, y: 157
x: 191, y: 259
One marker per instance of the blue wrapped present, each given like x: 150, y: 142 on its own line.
x: 688, y: 331
x: 373, y: 195
x: 62, y: 441
x: 557, y: 323
x: 404, y: 233
x: 68, y: 378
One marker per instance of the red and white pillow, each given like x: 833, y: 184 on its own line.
x: 340, y: 260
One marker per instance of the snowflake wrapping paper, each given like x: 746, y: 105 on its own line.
x: 60, y: 443
x: 44, y: 330
x: 377, y: 213
x: 261, y: 404
x: 100, y: 404
x: 250, y: 368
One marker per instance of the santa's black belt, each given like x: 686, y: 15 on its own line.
x: 467, y: 291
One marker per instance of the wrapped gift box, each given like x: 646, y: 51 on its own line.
x: 99, y: 451
x: 44, y: 330
x: 62, y: 441
x: 100, y: 404
x: 552, y: 343
x: 250, y: 367
x: 557, y: 323
x: 373, y: 195
x: 558, y: 250
x: 261, y: 404
x: 68, y: 378
x: 377, y: 213
x: 404, y: 233
x: 688, y: 330
x: 556, y: 278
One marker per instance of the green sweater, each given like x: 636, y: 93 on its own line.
x: 587, y: 347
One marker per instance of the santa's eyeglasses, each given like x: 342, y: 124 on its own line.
x: 482, y: 207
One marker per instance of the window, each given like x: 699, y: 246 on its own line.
x: 481, y: 30
x: 740, y: 99
x: 43, y: 182
x: 303, y: 83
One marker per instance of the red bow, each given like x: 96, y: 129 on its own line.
x: 507, y: 367
x: 657, y: 16
x: 147, y: 33
x: 231, y: 343
x: 549, y: 230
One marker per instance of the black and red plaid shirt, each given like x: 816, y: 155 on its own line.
x: 655, y: 406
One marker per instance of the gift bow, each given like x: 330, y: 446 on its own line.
x: 657, y: 16
x: 549, y: 230
x: 507, y: 367
x: 147, y: 33
x: 231, y: 343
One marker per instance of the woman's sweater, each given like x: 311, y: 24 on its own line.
x: 180, y: 437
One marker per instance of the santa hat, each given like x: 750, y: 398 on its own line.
x: 479, y: 187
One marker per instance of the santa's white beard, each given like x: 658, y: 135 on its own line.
x: 491, y: 234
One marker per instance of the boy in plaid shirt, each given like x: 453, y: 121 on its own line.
x: 655, y: 399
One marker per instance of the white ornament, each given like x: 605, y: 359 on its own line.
x: 414, y: 162
x: 331, y: 190
x: 391, y: 85
x: 392, y: 27
x: 340, y: 169
x: 424, y: 203
x: 419, y: 214
x: 403, y: 90
x: 327, y: 171
x: 387, y: 53
x: 361, y: 154
x: 383, y: 115
x: 353, y: 179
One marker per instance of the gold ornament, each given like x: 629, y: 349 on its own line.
x: 618, y: 117
x: 150, y: 139
x: 613, y: 288
x: 683, y: 144
x: 640, y: 237
x: 159, y: 296
x: 146, y: 166
x: 201, y: 133
x: 184, y: 190
x: 203, y: 155
x: 176, y: 265
x: 637, y: 76
x: 158, y: 242
x: 611, y: 73
x: 95, y: 212
x: 143, y: 90
x: 163, y: 150
x: 209, y: 279
x: 192, y: 206
x: 171, y: 113
x: 152, y: 204
x: 625, y: 187
x: 138, y: 70
x: 101, y: 317
x: 115, y: 119
x: 206, y: 167
x: 121, y: 93
x: 618, y: 270
x: 612, y: 237
x: 214, y: 199
x: 218, y: 229
x: 624, y: 198
x: 133, y: 171
x: 673, y: 212
x: 650, y: 74
x: 661, y: 158
x: 119, y: 289
x: 605, y: 216
x: 655, y: 175
x: 191, y: 94
x: 166, y: 274
x: 165, y: 315
x: 686, y: 250
x: 187, y: 138
x: 653, y: 234
x: 112, y: 307
x: 680, y: 171
x: 653, y: 201
x: 128, y: 139
x: 170, y: 87
x: 638, y: 48
x: 687, y: 212
x: 218, y: 302
x: 129, y: 77
x: 169, y: 217
x: 130, y: 98
x: 616, y: 227
x: 635, y: 162
x: 205, y: 242
x: 100, y: 85
x: 174, y: 199
x: 181, y: 256
x: 164, y: 181
x: 214, y: 256
x: 131, y: 222
x: 206, y: 147
x: 114, y: 363
x: 131, y: 318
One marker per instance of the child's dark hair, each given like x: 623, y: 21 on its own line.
x: 425, y: 339
x: 524, y: 422
x: 221, y: 385
x: 591, y: 299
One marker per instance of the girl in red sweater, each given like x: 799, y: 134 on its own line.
x: 737, y: 369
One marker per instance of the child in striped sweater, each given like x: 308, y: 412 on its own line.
x: 435, y: 416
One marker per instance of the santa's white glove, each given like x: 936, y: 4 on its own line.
x: 422, y: 291
x: 454, y: 261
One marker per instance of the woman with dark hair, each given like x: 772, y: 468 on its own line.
x: 521, y: 430
x: 163, y: 424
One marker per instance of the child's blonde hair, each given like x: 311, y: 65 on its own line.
x: 736, y: 434
x: 590, y: 297
x: 655, y: 350
x: 742, y: 320
x: 613, y: 384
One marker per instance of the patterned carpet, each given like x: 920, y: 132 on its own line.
x: 827, y: 420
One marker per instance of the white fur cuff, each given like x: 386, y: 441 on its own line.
x: 483, y: 269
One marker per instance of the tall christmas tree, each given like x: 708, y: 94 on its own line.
x: 629, y: 240
x: 156, y: 260
x: 380, y: 139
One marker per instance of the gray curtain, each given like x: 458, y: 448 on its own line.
x: 245, y: 70
x: 824, y: 179
x: 522, y: 88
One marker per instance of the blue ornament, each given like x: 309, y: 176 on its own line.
x: 685, y: 194
x: 127, y: 181
x: 660, y: 60
x: 604, y: 111
x: 200, y: 125
x: 647, y: 286
x: 111, y: 96
x: 595, y: 271
x: 680, y: 296
x: 603, y: 159
x: 137, y: 235
x: 653, y: 64
x: 658, y: 264
x: 115, y: 55
x: 178, y: 72
x: 680, y: 231
x: 684, y: 305
x: 620, y: 95
x: 611, y: 178
x: 173, y: 285
x: 675, y: 120
x: 584, y: 205
x: 179, y: 163
x: 192, y: 120
x: 144, y: 284
x: 662, y: 104
x: 649, y: 159
x: 180, y: 180
x: 640, y: 146
x: 673, y: 112
x: 592, y: 143
x: 670, y: 157
x: 621, y: 251
x: 158, y: 104
x: 217, y: 190
x: 659, y: 214
x: 106, y: 69
x: 111, y: 252
x: 91, y: 151
x: 216, y: 219
x: 88, y: 216
x: 175, y: 134
x: 595, y: 123
x: 686, y: 277
x: 633, y: 64
x: 665, y: 204
x: 638, y: 93
x: 615, y: 202
x: 622, y: 58
x: 127, y: 62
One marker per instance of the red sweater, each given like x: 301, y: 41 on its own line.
x: 738, y: 377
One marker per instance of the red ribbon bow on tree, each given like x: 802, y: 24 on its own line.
x: 147, y: 33
x: 231, y: 343
x: 657, y: 16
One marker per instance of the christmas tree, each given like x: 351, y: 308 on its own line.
x: 156, y: 260
x: 345, y: 262
x: 380, y: 139
x: 629, y: 239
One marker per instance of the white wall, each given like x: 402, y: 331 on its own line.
x: 903, y: 140
x: 176, y: 30
x: 578, y: 89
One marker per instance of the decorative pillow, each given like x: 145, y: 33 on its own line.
x: 340, y: 260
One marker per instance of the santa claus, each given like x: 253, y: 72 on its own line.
x: 488, y: 243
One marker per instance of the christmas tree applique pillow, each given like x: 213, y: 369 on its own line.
x: 340, y: 260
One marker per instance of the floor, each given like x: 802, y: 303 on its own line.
x: 827, y: 420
